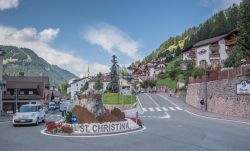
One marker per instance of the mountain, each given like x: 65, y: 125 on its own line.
x: 220, y: 23
x: 25, y: 60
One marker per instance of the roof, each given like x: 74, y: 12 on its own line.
x: 77, y: 80
x: 214, y: 39
x: 187, y: 49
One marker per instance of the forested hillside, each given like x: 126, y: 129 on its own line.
x: 219, y: 23
x: 25, y: 60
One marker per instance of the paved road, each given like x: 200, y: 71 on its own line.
x: 179, y: 131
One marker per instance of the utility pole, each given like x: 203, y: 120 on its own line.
x: 2, y: 83
x: 206, y: 85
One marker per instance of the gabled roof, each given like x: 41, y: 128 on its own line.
x: 214, y: 39
x: 77, y: 80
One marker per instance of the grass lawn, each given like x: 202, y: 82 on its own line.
x: 112, y: 98
x: 167, y: 82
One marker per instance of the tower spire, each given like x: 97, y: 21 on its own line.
x: 88, y: 70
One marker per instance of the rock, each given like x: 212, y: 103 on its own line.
x: 84, y: 116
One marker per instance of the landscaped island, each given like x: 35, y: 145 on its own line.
x: 89, y: 117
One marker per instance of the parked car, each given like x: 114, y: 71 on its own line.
x: 64, y: 106
x: 52, y: 105
x: 29, y: 114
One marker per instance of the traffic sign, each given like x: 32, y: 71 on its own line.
x: 74, y: 119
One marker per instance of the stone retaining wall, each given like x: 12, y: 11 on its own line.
x: 222, y: 97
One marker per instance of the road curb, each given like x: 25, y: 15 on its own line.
x: 214, y: 118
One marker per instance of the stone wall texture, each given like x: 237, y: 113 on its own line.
x: 222, y: 97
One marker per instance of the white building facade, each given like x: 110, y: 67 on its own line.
x: 76, y: 85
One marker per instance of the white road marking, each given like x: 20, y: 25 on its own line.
x: 138, y: 99
x: 144, y: 109
x: 241, y: 122
x: 153, y: 100
x: 165, y: 116
x: 151, y: 109
x: 171, y: 108
x: 165, y: 98
x: 178, y: 108
x: 158, y: 109
x: 164, y: 108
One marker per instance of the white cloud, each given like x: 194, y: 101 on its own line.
x: 31, y: 34
x: 40, y: 43
x: 218, y: 5
x: 112, y: 40
x: 96, y: 67
x: 6, y: 4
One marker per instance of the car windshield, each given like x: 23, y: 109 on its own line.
x: 28, y: 109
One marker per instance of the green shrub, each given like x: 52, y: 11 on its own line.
x: 234, y: 59
x: 162, y: 76
x: 197, y: 72
x: 68, y: 117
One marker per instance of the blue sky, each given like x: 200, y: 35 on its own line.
x: 76, y: 33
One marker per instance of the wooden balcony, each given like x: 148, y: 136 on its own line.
x: 9, y: 97
x: 22, y: 97
x: 214, y: 56
x: 231, y: 42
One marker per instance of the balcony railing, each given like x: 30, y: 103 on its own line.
x: 214, y: 56
x: 230, y: 42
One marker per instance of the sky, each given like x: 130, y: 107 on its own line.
x: 75, y: 34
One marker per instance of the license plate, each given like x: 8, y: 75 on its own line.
x: 22, y: 120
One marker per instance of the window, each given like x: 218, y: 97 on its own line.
x: 21, y: 92
x: 30, y: 93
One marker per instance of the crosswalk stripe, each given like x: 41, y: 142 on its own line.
x: 171, y: 108
x: 158, y: 109
x: 179, y: 108
x: 164, y: 108
x: 151, y: 109
x: 144, y: 109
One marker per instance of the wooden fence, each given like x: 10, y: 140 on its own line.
x: 219, y: 75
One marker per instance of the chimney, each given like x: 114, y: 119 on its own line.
x: 1, y: 64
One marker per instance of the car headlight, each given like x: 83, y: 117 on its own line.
x: 14, y: 116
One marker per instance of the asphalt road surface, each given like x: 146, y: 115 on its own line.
x: 168, y: 128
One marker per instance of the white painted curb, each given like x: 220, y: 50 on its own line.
x: 94, y: 136
x: 191, y: 113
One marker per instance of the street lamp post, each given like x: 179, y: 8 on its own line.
x: 205, y: 85
x: 2, y: 89
x: 2, y: 83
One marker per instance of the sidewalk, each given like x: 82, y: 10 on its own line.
x: 181, y: 103
x: 5, y: 118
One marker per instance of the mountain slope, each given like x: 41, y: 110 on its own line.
x: 25, y: 60
x: 220, y: 23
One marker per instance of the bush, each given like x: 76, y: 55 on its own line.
x: 234, y: 59
x: 67, y: 129
x: 53, y: 127
x: 68, y: 117
x: 197, y: 72
x: 162, y: 76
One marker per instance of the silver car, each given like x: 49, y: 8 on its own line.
x: 29, y: 114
